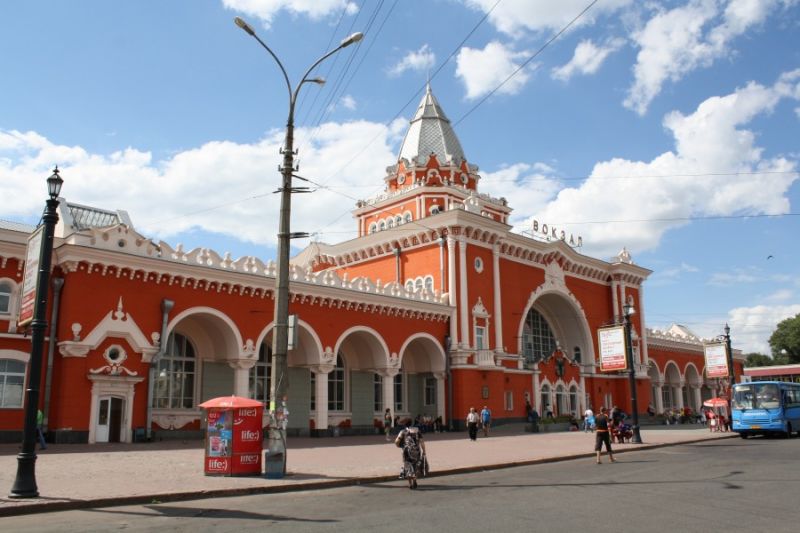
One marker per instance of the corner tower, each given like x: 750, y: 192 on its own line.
x: 431, y: 176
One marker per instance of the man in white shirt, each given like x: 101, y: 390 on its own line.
x: 588, y: 420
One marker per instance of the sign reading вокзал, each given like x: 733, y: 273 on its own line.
x: 31, y: 279
x: 612, y: 349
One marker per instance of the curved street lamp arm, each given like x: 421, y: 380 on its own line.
x: 278, y: 61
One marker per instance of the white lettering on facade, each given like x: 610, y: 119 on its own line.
x: 551, y: 233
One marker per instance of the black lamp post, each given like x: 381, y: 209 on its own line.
x: 629, y: 310
x: 731, y: 373
x: 25, y: 482
x: 280, y: 376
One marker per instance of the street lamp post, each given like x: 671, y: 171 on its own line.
x: 731, y: 373
x: 629, y: 310
x: 279, y: 379
x: 25, y: 481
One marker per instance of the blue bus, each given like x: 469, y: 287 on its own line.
x: 766, y: 407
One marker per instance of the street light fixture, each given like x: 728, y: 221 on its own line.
x: 280, y: 378
x: 25, y: 481
x: 629, y: 310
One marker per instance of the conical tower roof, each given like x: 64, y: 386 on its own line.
x: 430, y: 132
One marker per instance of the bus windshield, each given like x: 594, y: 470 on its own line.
x: 756, y: 396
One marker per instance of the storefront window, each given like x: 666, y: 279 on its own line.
x: 174, y: 385
x: 260, y: 374
x: 336, y: 386
x: 12, y: 382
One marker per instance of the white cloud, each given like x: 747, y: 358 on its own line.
x: 738, y: 276
x: 751, y: 327
x: 668, y: 276
x: 780, y: 295
x: 420, y: 61
x: 530, y: 186
x: 267, y: 9
x: 677, y: 41
x: 587, y: 59
x: 629, y: 204
x: 515, y: 17
x: 220, y: 174
x: 483, y: 70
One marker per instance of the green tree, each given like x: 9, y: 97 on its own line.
x: 785, y: 340
x: 758, y: 359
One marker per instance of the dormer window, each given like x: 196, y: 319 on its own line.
x: 434, y: 210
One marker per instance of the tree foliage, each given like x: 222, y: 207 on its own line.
x: 758, y: 359
x: 785, y: 340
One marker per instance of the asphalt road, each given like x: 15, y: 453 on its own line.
x: 726, y: 485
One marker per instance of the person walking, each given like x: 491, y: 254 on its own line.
x: 603, y: 435
x: 486, y: 420
x: 387, y: 424
x: 414, y: 459
x: 588, y: 420
x: 472, y: 424
x: 39, y: 433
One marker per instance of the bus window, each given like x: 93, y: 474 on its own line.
x: 768, y: 396
x: 743, y: 397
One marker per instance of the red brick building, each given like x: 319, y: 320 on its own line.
x: 436, y: 306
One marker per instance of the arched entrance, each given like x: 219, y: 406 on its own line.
x: 672, y: 393
x: 422, y: 369
x: 201, y: 360
x: 554, y: 323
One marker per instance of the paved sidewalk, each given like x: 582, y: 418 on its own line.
x: 72, y: 476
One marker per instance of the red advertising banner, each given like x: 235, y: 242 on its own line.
x: 247, y: 436
x: 716, y: 360
x: 234, y: 436
x: 31, y: 277
x: 613, y: 354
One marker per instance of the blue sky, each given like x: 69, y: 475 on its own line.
x: 670, y: 128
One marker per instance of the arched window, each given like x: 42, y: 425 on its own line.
x: 407, y: 217
x: 434, y: 210
x: 429, y: 283
x: 174, y: 386
x: 399, y: 388
x: 336, y: 386
x: 419, y: 284
x: 259, y: 382
x: 576, y: 354
x: 561, y: 401
x: 373, y: 228
x: 538, y: 341
x: 390, y: 223
x: 6, y: 290
x: 398, y: 220
x: 546, y: 400
x: 12, y: 383
x: 382, y: 225
x: 573, y: 401
x: 410, y: 285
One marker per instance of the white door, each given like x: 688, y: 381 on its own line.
x: 103, y: 419
x: 109, y: 419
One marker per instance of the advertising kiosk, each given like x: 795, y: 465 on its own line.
x: 233, y: 436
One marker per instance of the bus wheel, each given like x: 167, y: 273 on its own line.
x: 788, y: 430
x: 743, y: 435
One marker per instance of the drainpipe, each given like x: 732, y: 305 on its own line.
x: 166, y: 307
x: 397, y: 265
x: 58, y: 283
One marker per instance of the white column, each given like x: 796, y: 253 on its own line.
x: 582, y: 399
x: 241, y: 377
x: 462, y: 297
x: 498, y: 314
x: 451, y: 288
x: 678, y: 392
x: 321, y: 398
x: 615, y: 298
x: 388, y: 391
x: 441, y: 265
x: 659, y: 398
x: 537, y: 395
x: 643, y: 326
x: 440, y: 396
